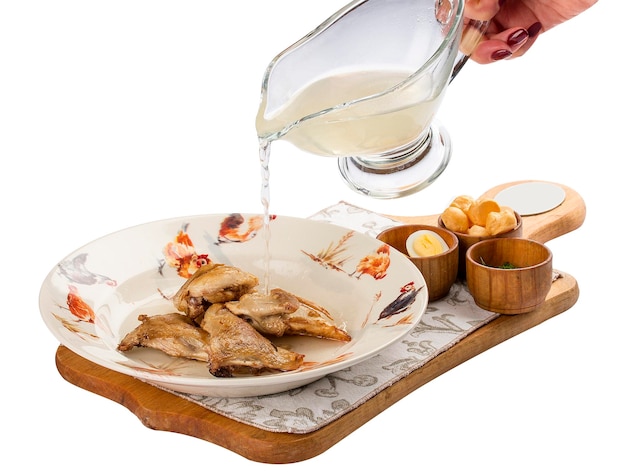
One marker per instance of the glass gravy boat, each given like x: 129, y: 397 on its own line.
x: 365, y: 86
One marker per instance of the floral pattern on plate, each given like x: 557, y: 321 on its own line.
x: 94, y: 296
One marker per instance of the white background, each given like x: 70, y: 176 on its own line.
x: 118, y: 113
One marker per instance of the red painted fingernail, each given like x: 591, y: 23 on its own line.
x: 534, y: 29
x: 517, y: 38
x: 501, y: 54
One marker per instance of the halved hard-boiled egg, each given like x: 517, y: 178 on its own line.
x: 425, y: 243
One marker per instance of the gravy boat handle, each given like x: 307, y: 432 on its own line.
x: 473, y: 31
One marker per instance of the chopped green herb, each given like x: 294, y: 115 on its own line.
x: 505, y: 265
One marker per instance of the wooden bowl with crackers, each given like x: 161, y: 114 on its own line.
x: 473, y: 221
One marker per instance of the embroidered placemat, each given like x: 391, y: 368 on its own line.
x: 308, y: 408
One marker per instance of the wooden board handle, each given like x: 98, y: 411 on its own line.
x: 566, y: 217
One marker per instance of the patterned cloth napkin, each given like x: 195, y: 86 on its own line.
x: 308, y: 408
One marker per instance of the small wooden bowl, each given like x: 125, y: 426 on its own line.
x: 439, y: 271
x: 466, y: 240
x: 509, y: 290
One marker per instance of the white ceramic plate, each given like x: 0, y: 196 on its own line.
x: 93, y: 297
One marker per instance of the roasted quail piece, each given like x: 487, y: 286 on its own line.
x: 173, y: 333
x: 212, y: 283
x: 235, y: 347
x: 281, y: 313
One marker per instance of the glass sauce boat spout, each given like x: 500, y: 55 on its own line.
x: 365, y: 86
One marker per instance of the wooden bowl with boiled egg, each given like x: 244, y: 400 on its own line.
x: 433, y: 250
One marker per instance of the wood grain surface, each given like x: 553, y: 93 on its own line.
x: 565, y: 218
x: 160, y: 410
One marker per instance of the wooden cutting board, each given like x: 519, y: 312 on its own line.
x: 161, y: 410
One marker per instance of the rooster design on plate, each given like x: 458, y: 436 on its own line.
x: 75, y: 270
x: 374, y: 264
x: 181, y: 254
x: 235, y: 228
x: 334, y: 257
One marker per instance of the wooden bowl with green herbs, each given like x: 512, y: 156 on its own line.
x: 509, y: 275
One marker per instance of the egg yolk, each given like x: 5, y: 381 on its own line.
x: 426, y: 245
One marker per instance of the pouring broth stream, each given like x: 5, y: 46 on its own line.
x: 345, y: 115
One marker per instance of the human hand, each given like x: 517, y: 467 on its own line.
x: 515, y: 25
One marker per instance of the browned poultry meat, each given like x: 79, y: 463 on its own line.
x: 223, y: 321
x: 259, y: 305
x: 212, y: 283
x: 281, y: 313
x: 173, y: 333
x: 235, y: 347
